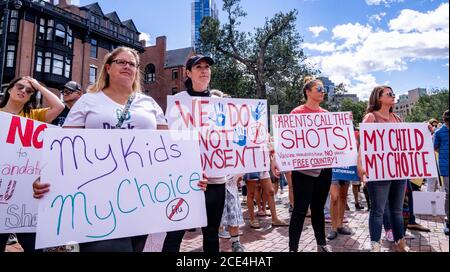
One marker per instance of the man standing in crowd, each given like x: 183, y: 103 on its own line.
x: 70, y: 92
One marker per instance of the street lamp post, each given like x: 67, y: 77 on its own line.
x: 17, y: 4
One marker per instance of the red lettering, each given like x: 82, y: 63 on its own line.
x: 30, y: 136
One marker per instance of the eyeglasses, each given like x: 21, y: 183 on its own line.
x: 320, y: 89
x: 23, y: 88
x: 124, y: 63
x: 391, y: 94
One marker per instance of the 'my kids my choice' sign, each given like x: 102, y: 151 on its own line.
x: 312, y: 141
x: 21, y: 143
x: 397, y: 151
x: 108, y: 184
x: 232, y: 132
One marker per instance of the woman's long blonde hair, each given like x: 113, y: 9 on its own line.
x: 103, y: 79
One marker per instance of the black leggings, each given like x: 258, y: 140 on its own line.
x: 309, y: 191
x: 215, y: 200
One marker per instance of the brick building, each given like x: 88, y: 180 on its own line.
x: 164, y: 71
x: 58, y: 43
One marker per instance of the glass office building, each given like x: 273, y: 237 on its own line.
x: 200, y: 9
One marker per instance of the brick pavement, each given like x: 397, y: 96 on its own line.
x: 270, y: 239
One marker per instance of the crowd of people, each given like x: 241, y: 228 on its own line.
x: 311, y: 192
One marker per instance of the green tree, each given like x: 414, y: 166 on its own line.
x: 429, y: 106
x: 357, y: 108
x: 270, y: 60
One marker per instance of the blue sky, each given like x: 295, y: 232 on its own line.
x: 361, y: 43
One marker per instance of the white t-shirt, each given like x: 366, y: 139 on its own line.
x: 98, y: 111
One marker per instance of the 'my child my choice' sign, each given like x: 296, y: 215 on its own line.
x: 108, y: 184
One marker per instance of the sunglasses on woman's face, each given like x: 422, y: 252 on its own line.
x: 391, y: 94
x: 23, y: 88
x: 320, y: 89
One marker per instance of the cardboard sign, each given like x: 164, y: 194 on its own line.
x: 396, y: 151
x: 313, y: 141
x: 429, y: 203
x: 111, y: 184
x: 232, y: 132
x: 20, y: 165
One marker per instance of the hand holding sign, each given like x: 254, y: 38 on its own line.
x: 258, y: 112
x: 240, y: 136
x: 219, y: 118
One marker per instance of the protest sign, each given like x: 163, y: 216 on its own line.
x: 313, y: 141
x: 232, y: 132
x: 111, y: 184
x: 20, y: 164
x: 396, y: 151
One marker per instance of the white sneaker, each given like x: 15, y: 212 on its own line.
x: 375, y: 246
x: 409, y: 235
x: 389, y: 236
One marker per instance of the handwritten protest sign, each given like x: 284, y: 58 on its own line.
x: 20, y: 165
x: 312, y: 141
x: 111, y: 184
x: 233, y: 132
x: 397, y: 151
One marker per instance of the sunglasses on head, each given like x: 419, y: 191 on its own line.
x: 23, y: 88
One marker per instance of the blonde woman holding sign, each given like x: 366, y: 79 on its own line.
x: 380, y: 110
x: 117, y: 90
x: 310, y: 187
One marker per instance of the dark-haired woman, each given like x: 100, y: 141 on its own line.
x: 310, y: 187
x: 20, y: 99
x: 198, y: 71
x: 380, y: 110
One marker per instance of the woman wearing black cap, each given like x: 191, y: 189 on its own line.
x: 198, y: 71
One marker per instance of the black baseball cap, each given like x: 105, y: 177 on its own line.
x: 71, y: 85
x: 196, y: 59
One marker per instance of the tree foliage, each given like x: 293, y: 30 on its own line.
x: 265, y: 64
x: 429, y: 106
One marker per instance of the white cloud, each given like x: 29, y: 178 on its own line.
x: 316, y: 30
x: 322, y: 47
x: 380, y: 2
x: 376, y: 18
x: 411, y: 20
x: 351, y: 33
x: 146, y: 38
x: 360, y: 51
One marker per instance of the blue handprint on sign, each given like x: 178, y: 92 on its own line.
x: 219, y: 118
x: 240, y: 136
x: 258, y: 112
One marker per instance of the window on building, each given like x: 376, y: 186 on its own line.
x: 174, y: 74
x: 174, y: 90
x: 60, y: 34
x: 1, y: 25
x: 47, y: 62
x: 69, y: 42
x: 14, y: 21
x: 50, y: 25
x: 67, y: 68
x: 58, y: 64
x: 95, y: 20
x: 39, y: 61
x: 94, y: 48
x: 41, y: 34
x: 115, y: 29
x: 150, y: 73
x: 92, y: 74
x: 10, y: 56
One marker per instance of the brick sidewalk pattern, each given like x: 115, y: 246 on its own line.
x: 275, y: 239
